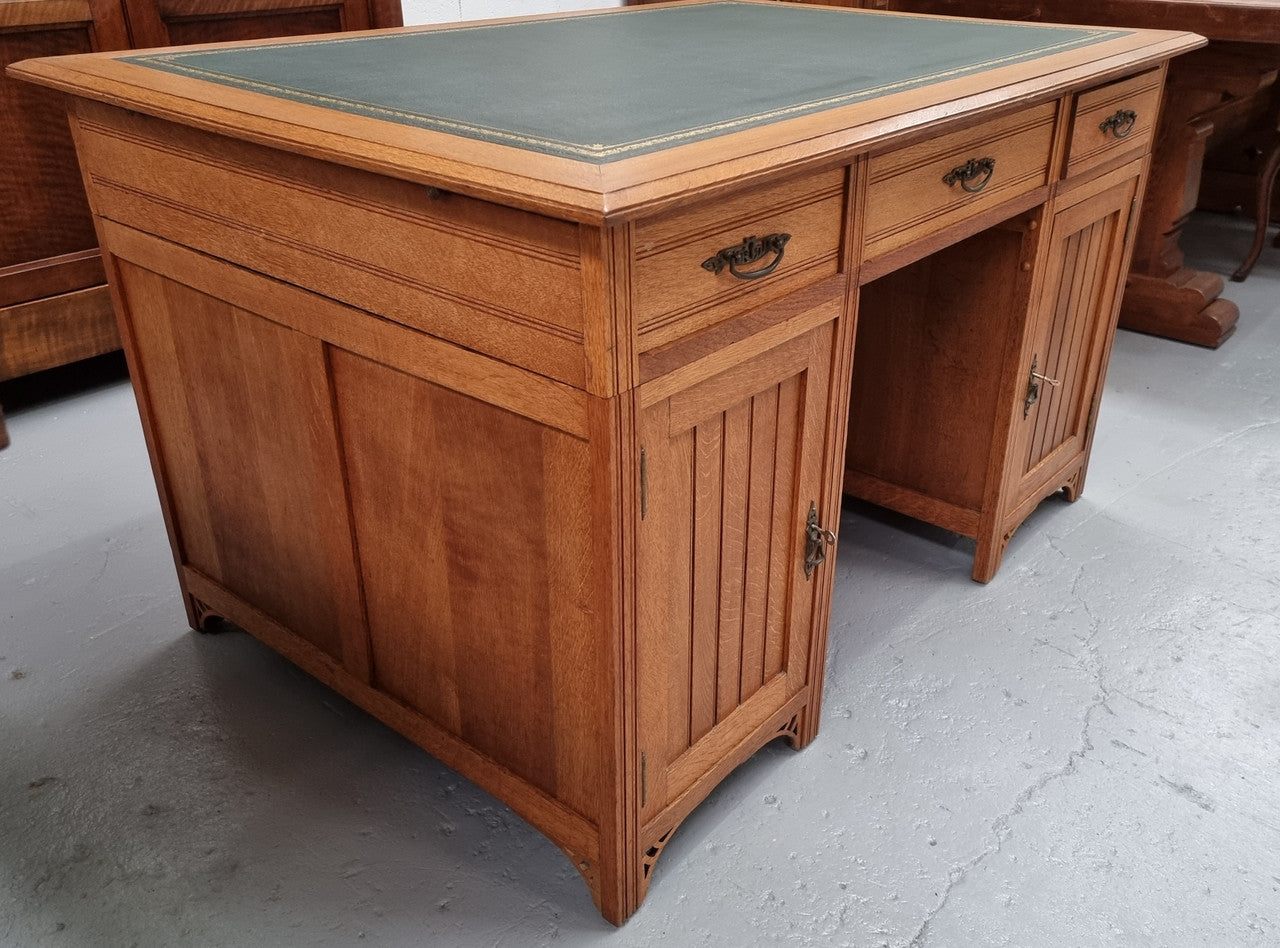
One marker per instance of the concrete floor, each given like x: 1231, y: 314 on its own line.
x: 1085, y: 752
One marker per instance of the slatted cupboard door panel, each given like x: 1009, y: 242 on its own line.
x: 730, y: 466
x: 1071, y: 335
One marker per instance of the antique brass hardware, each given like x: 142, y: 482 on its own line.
x: 1033, y: 386
x: 981, y: 168
x: 817, y: 539
x: 1120, y: 123
x: 746, y: 253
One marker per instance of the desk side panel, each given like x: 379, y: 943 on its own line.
x: 475, y: 549
x: 415, y: 524
x: 242, y: 416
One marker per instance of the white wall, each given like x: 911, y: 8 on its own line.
x: 448, y: 11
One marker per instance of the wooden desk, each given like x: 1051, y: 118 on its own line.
x: 517, y: 412
x: 1212, y: 95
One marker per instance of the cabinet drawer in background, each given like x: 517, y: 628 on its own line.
x: 917, y: 191
x: 675, y: 295
x: 1113, y: 119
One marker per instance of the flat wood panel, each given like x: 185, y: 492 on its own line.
x: 179, y: 22
x: 322, y: 19
x: 45, y: 213
x: 1247, y: 20
x: 476, y: 554
x: 732, y: 465
x: 245, y: 430
x: 927, y: 367
x: 50, y: 276
x: 49, y: 332
x: 909, y: 199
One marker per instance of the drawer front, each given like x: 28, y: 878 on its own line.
x: 1113, y: 120
x: 697, y: 267
x: 915, y: 192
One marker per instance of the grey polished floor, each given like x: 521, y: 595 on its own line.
x: 1084, y: 752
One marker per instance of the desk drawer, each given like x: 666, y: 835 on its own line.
x: 917, y: 191
x: 1113, y: 119
x: 681, y: 280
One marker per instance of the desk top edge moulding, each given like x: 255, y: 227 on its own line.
x: 519, y: 409
x: 836, y: 110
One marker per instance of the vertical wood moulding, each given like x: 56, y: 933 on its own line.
x: 146, y: 411
x: 608, y: 347
x: 837, y: 426
x: 357, y: 646
x: 733, y: 531
x: 137, y: 376
x: 755, y: 608
x: 707, y: 515
x: 789, y: 429
x: 614, y: 503
x: 1061, y: 137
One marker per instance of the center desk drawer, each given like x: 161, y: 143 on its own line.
x: 917, y: 191
x: 699, y: 266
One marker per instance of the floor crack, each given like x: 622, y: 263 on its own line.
x: 1001, y: 826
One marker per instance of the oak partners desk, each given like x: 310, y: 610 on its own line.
x: 512, y: 403
x: 1215, y: 95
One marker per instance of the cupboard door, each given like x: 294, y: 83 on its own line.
x: 1072, y: 332
x: 181, y: 22
x: 730, y: 466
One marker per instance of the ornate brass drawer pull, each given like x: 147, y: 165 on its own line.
x: 746, y: 253
x: 981, y: 168
x: 1119, y: 124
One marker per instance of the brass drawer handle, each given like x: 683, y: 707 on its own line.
x: 965, y: 173
x: 746, y: 253
x: 1120, y: 124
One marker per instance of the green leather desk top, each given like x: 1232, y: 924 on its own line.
x: 603, y: 87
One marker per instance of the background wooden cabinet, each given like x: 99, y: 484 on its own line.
x: 54, y: 306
